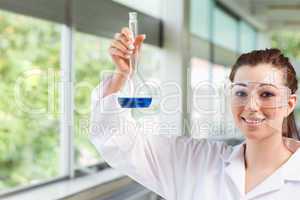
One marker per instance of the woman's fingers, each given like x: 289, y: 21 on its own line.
x: 123, y: 47
x: 129, y: 36
x: 139, y: 41
x: 123, y: 39
x: 126, y: 37
x: 127, y: 32
x: 117, y: 52
x: 119, y: 45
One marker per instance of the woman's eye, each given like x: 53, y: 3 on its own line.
x: 267, y: 94
x: 240, y: 94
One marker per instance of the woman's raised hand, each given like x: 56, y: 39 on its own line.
x: 122, y: 47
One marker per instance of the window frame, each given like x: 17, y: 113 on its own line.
x: 64, y: 13
x: 209, y: 50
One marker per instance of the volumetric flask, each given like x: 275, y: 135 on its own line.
x: 135, y: 93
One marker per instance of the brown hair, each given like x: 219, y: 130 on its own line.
x: 278, y: 60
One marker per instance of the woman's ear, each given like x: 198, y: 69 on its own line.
x: 292, y: 102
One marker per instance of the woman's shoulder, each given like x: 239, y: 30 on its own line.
x: 207, y: 146
x: 183, y: 145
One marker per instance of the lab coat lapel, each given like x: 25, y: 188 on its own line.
x: 235, y: 168
x: 270, y: 184
x: 291, y: 168
x: 287, y: 172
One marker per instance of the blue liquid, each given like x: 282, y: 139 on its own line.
x: 134, y: 102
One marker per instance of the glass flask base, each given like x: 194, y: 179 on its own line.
x: 134, y: 102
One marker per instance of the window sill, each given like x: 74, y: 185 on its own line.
x: 108, y: 180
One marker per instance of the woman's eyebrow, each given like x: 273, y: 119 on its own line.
x: 241, y: 84
x: 259, y: 84
x: 267, y: 84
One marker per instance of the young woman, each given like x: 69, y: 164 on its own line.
x: 265, y: 166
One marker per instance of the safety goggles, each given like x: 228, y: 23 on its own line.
x: 265, y: 95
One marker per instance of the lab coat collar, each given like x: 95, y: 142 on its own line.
x: 237, y: 152
x: 292, y: 166
x: 235, y: 169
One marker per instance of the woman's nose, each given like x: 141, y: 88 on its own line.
x: 252, y: 103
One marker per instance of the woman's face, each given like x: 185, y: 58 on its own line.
x: 256, y: 120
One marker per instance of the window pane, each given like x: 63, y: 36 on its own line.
x: 223, y: 119
x: 210, y: 113
x: 153, y: 7
x: 200, y: 11
x: 91, y: 59
x: 225, y: 30
x: 248, y: 38
x: 29, y: 110
x: 200, y: 101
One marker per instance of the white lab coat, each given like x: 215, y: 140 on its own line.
x: 180, y: 167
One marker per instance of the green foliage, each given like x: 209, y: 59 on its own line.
x: 288, y: 42
x: 30, y: 59
x: 28, y: 141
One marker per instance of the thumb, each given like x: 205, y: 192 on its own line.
x: 139, y: 40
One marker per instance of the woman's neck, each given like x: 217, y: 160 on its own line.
x: 266, y: 155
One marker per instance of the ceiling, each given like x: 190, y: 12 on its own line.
x: 275, y: 14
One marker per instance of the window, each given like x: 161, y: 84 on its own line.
x: 248, y: 37
x: 91, y: 57
x: 201, y: 107
x: 29, y: 104
x: 225, y: 30
x: 223, y: 119
x: 210, y: 113
x: 34, y: 148
x: 200, y: 15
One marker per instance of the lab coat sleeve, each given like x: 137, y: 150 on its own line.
x: 156, y: 161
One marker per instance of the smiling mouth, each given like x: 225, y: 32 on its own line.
x: 253, y: 122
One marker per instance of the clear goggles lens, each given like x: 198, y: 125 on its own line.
x: 263, y: 94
